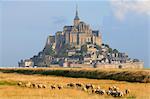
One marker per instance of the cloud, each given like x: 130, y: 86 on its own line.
x: 122, y: 7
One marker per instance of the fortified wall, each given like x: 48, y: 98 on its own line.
x: 135, y: 65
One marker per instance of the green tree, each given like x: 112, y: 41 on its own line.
x: 110, y: 50
x: 84, y: 48
x: 106, y: 45
x: 115, y: 51
x: 48, y: 50
x: 98, y: 47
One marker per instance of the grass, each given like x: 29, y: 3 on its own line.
x: 142, y: 76
x: 10, y: 83
x: 9, y: 90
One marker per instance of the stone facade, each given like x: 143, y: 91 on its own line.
x: 26, y: 63
x: 131, y: 65
x: 78, y: 34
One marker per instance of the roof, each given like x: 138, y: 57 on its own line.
x: 68, y: 28
x: 95, y: 32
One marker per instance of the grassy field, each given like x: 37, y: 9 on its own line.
x: 132, y: 75
x: 10, y: 90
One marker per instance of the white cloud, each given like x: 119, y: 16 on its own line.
x: 121, y: 7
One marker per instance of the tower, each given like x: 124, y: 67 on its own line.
x: 76, y: 19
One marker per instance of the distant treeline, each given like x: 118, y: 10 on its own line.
x: 142, y: 76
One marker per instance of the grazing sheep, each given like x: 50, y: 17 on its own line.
x: 19, y: 83
x: 43, y: 86
x: 34, y: 85
x: 79, y: 85
x: 59, y: 87
x: 89, y: 86
x: 28, y: 85
x: 127, y: 91
x: 40, y: 86
x: 53, y: 86
x: 70, y: 85
x: 116, y: 89
x: 93, y: 90
x: 113, y: 88
x: 108, y: 92
x: 120, y: 94
x: 110, y: 88
x: 113, y: 93
x: 100, y: 91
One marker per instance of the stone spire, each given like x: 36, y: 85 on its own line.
x: 76, y: 17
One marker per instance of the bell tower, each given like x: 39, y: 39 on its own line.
x: 76, y: 19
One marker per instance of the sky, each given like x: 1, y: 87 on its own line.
x: 26, y: 24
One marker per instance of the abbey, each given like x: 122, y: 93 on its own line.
x: 76, y: 35
x: 78, y: 45
x: 80, y: 33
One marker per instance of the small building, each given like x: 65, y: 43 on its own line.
x: 26, y: 63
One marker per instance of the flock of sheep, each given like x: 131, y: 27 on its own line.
x: 112, y: 91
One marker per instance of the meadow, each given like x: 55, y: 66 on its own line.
x: 139, y: 84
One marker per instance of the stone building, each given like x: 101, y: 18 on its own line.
x: 26, y: 63
x: 78, y: 34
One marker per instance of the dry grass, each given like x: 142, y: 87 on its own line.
x: 9, y: 89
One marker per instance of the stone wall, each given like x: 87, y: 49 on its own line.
x: 135, y: 65
x: 80, y: 65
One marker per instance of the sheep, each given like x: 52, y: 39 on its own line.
x: 43, y: 86
x: 120, y: 94
x: 110, y: 88
x: 59, y: 87
x: 116, y: 89
x: 108, y: 92
x: 34, y: 85
x: 113, y: 88
x: 113, y: 93
x: 93, y: 90
x: 79, y: 85
x: 40, y: 86
x: 19, y: 83
x: 127, y: 91
x: 28, y: 84
x: 53, y: 86
x: 100, y: 91
x: 89, y: 86
x: 70, y: 85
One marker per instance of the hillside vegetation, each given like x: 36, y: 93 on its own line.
x: 142, y: 76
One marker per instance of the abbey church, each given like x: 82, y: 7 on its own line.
x: 76, y: 35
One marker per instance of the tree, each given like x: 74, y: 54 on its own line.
x: 97, y: 47
x: 106, y: 45
x: 48, y: 50
x: 84, y: 48
x: 115, y: 51
x: 110, y: 50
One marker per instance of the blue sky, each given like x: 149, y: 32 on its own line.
x: 25, y: 25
